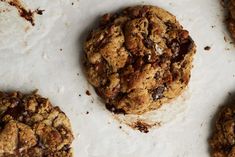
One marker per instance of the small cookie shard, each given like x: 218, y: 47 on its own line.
x: 139, y: 59
x: 223, y: 139
x: 231, y: 17
x: 31, y: 127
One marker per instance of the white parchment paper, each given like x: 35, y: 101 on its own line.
x: 48, y: 57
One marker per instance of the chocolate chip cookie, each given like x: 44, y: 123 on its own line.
x: 31, y: 127
x: 138, y: 59
x: 231, y: 17
x: 223, y: 140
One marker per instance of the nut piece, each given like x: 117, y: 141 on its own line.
x: 31, y: 126
x: 139, y: 59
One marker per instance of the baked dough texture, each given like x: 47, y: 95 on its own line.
x: 138, y: 59
x: 223, y: 139
x: 231, y: 17
x: 31, y: 127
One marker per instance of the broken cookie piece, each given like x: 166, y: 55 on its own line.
x: 31, y: 127
x: 139, y: 59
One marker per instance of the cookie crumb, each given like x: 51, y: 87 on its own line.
x: 141, y: 126
x: 87, y: 112
x: 80, y: 95
x: 61, y: 49
x: 120, y: 127
x: 88, y: 93
x: 72, y: 3
x: 39, y: 11
x: 207, y: 48
x: 25, y: 13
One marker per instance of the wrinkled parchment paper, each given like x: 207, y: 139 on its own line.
x: 48, y: 57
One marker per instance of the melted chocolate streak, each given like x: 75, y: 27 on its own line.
x: 24, y: 13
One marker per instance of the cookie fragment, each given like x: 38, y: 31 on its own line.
x: 31, y: 126
x: 223, y: 139
x: 139, y: 59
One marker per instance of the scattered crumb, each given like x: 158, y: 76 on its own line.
x: 120, y: 127
x: 4, y: 10
x: 77, y: 74
x: 227, y: 49
x: 213, y: 26
x: 88, y: 93
x: 72, y: 3
x: 61, y: 49
x: 39, y: 11
x: 141, y: 126
x: 87, y: 112
x: 25, y: 13
x: 207, y: 48
x: 80, y: 95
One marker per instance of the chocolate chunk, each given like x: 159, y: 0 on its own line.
x: 148, y: 43
x: 158, y: 93
x: 175, y: 47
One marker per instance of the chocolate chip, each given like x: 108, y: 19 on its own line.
x: 175, y: 47
x: 148, y: 43
x: 147, y: 58
x: 158, y: 93
x: 184, y: 48
x: 138, y: 64
x: 157, y: 75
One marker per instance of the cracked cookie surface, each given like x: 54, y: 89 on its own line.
x: 231, y: 17
x: 31, y: 127
x: 223, y: 139
x: 138, y: 59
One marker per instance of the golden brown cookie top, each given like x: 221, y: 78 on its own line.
x: 136, y: 58
x: 223, y: 139
x: 31, y: 126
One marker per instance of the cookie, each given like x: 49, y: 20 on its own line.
x: 231, y: 17
x: 138, y: 59
x: 223, y: 139
x: 31, y: 127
